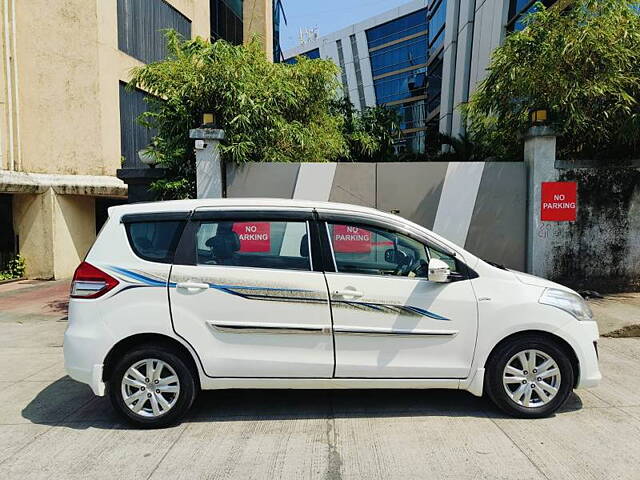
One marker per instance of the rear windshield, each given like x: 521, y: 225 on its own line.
x: 155, y: 241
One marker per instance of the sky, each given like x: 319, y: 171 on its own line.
x: 328, y: 15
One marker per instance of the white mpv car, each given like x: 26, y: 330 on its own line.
x: 179, y: 296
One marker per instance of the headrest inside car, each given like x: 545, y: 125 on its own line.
x: 224, y: 244
x: 304, y: 246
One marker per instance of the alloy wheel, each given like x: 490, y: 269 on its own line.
x: 150, y: 387
x: 531, y: 378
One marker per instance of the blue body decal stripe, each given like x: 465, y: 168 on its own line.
x: 237, y: 291
x: 136, y: 276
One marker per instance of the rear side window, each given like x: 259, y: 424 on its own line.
x: 155, y: 241
x: 259, y: 244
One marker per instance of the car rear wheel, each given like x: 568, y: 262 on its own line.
x: 529, y: 377
x: 152, y: 387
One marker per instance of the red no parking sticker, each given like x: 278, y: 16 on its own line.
x: 350, y: 239
x: 254, y: 236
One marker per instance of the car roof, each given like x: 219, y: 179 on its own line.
x: 189, y: 205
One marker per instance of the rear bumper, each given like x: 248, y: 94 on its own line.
x: 92, y: 377
x: 86, y: 343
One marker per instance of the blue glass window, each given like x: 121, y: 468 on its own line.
x: 399, y: 28
x: 519, y: 9
x: 436, y: 24
x: 312, y: 54
x: 414, y: 142
x: 401, y: 86
x: 434, y: 86
x: 411, y: 115
x: 400, y: 55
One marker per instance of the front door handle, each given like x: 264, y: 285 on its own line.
x: 192, y: 285
x: 348, y: 292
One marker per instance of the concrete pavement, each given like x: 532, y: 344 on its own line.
x: 618, y: 313
x: 53, y: 427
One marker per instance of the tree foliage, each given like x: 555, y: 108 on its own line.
x: 269, y: 112
x: 369, y: 134
x: 582, y: 64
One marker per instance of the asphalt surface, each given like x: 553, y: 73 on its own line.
x: 53, y: 427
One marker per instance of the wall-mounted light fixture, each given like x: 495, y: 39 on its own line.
x: 208, y: 120
x: 538, y: 116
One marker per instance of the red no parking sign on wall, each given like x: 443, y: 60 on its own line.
x: 559, y: 201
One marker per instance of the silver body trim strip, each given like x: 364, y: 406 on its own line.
x: 394, y: 331
x: 276, y: 329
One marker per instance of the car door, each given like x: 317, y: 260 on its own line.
x: 244, y: 294
x: 389, y: 320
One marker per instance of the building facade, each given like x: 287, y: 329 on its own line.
x: 422, y: 59
x: 66, y: 121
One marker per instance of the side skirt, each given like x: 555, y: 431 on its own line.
x: 327, y: 383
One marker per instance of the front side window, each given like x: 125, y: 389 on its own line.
x: 368, y: 250
x: 258, y: 244
x: 458, y: 269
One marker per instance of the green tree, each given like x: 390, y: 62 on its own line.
x: 370, y: 134
x: 270, y: 112
x: 582, y: 64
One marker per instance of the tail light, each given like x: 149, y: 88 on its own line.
x: 91, y: 282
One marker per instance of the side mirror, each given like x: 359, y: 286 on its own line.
x: 439, y: 271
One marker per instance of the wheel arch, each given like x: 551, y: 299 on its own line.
x: 561, y: 342
x: 154, y: 339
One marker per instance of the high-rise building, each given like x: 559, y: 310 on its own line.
x: 422, y: 59
x: 66, y: 121
x: 386, y: 60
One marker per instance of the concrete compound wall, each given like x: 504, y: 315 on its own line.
x: 601, y: 249
x: 478, y: 205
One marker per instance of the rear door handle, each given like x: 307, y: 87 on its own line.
x: 348, y: 292
x: 192, y: 285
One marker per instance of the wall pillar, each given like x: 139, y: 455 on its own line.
x: 257, y: 19
x: 209, y: 168
x: 539, y: 157
x: 54, y: 231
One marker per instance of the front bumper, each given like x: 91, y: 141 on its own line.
x: 583, y: 337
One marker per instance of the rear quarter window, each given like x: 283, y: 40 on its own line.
x: 155, y: 241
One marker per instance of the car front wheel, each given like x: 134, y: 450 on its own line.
x: 152, y: 387
x: 529, y: 377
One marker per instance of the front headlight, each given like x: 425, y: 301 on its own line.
x: 569, y: 302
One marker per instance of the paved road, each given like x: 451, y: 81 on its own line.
x: 53, y: 427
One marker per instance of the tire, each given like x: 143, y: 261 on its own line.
x: 509, y: 390
x: 172, y: 398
